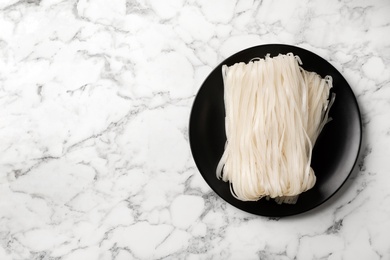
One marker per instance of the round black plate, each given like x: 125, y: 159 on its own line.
x: 334, y: 154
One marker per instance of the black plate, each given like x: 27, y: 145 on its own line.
x: 334, y: 154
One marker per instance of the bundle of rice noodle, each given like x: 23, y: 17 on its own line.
x: 275, y: 111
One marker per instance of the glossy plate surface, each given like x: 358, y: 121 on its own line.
x: 334, y: 154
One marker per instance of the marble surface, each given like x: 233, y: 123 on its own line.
x: 95, y: 99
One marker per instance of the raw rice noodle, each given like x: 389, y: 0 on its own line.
x: 275, y: 111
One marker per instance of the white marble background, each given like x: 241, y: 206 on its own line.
x: 95, y: 98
